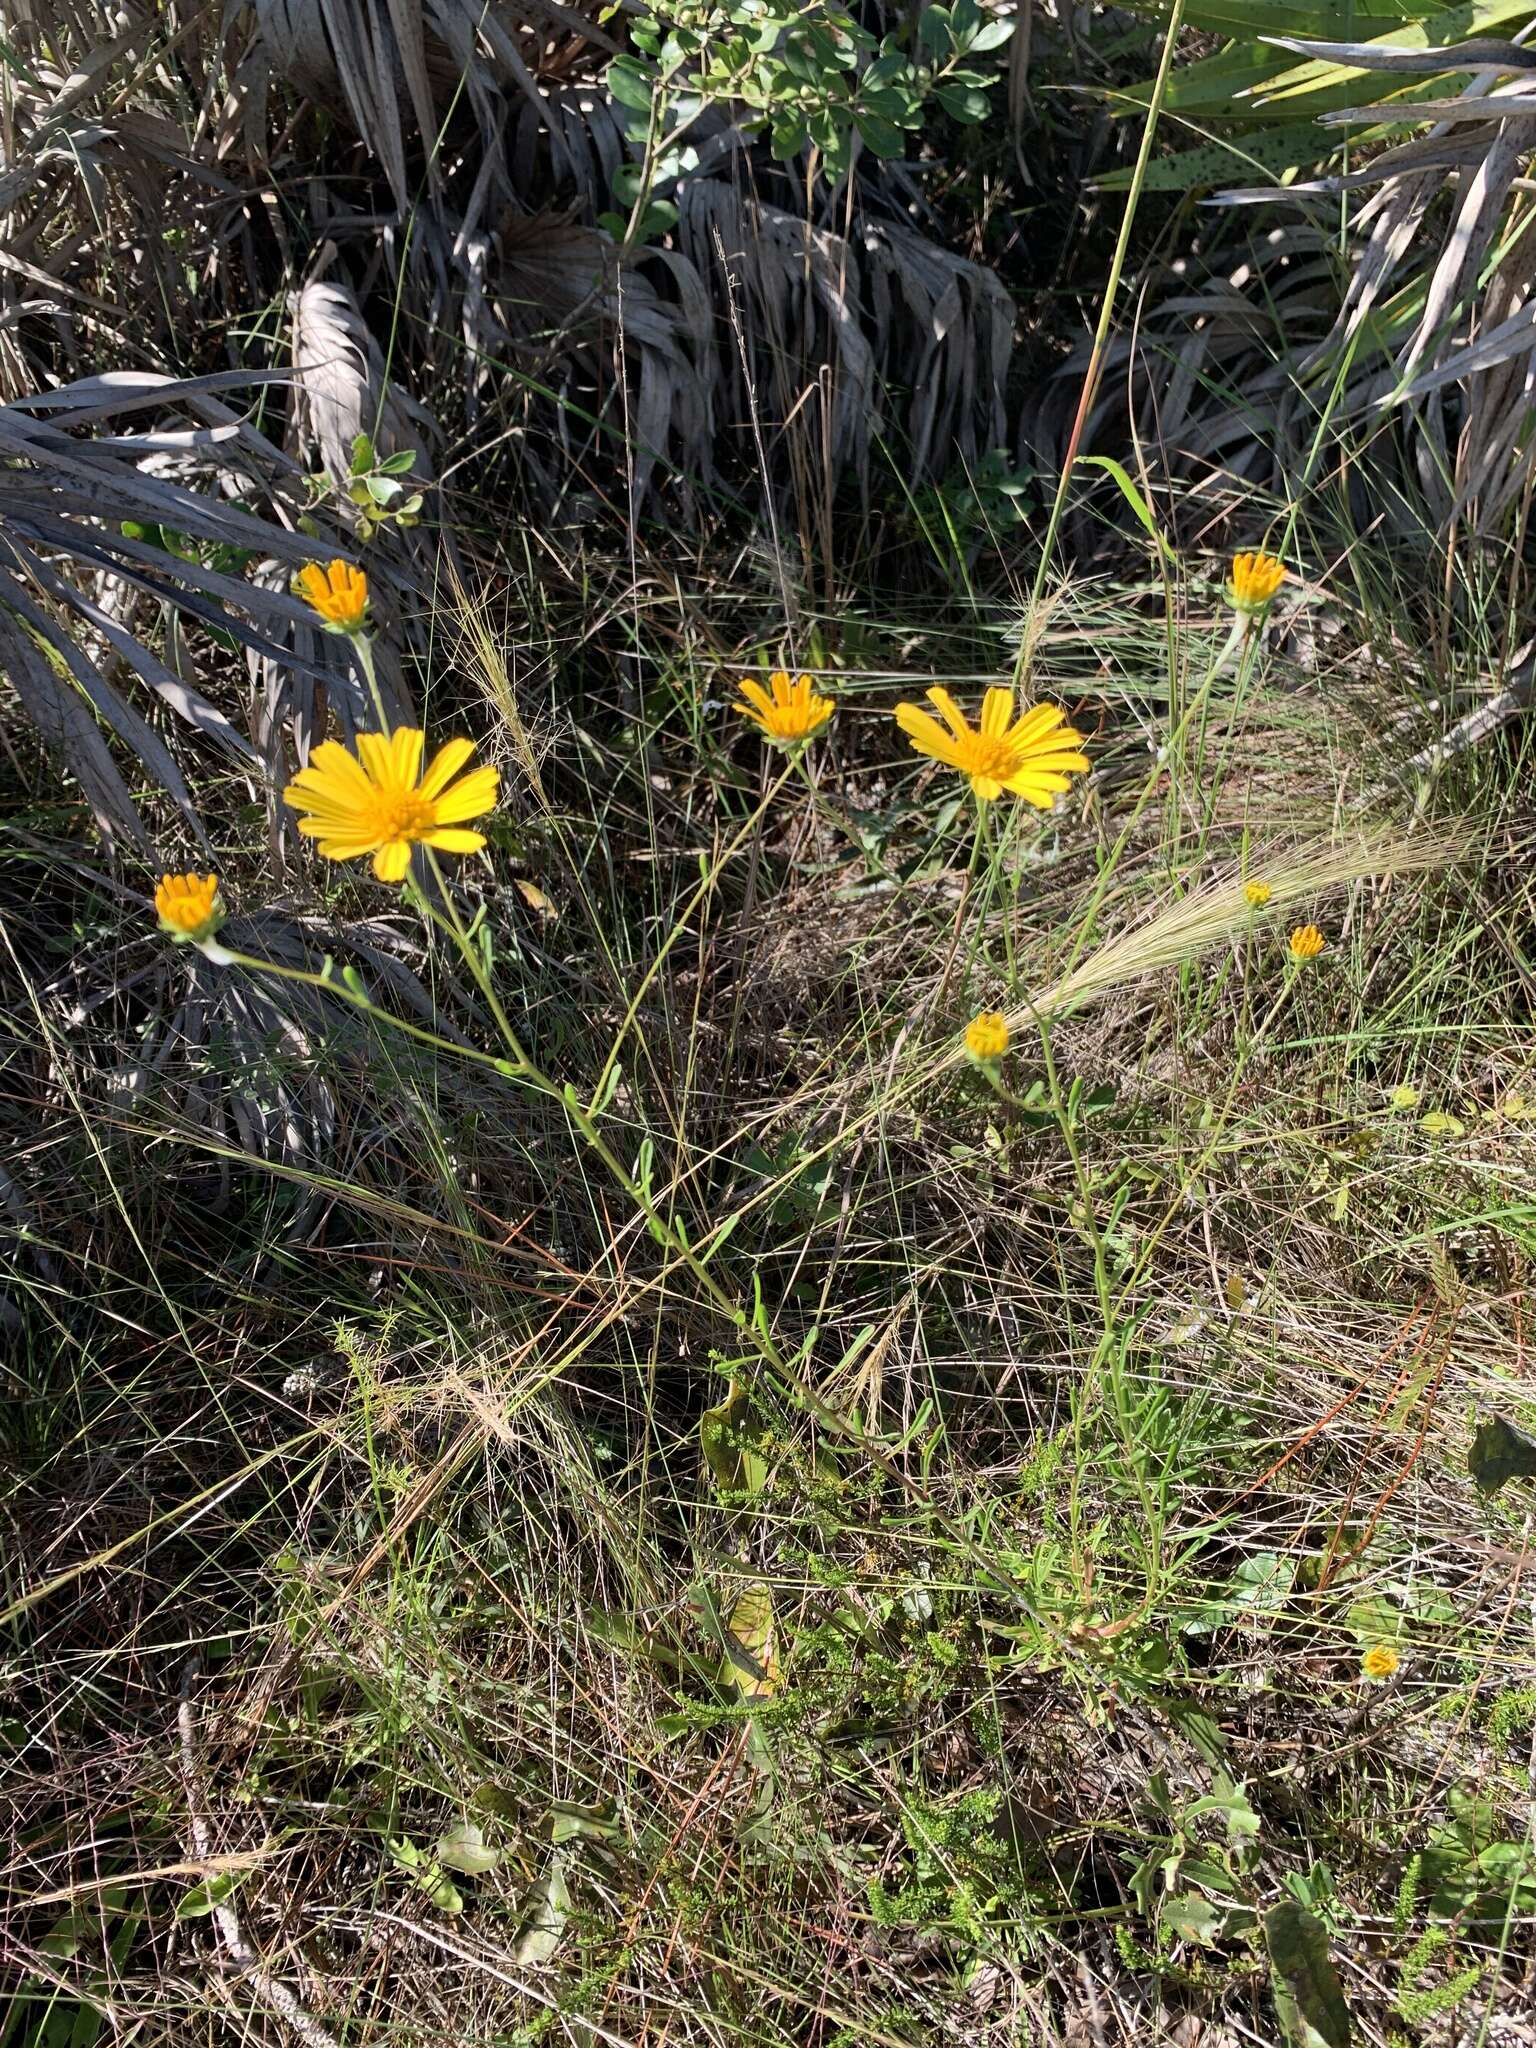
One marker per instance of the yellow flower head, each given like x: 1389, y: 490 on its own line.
x: 1306, y: 942
x: 792, y: 714
x: 1380, y: 1661
x: 986, y: 1036
x: 1257, y: 893
x: 338, y: 592
x: 1255, y: 581
x: 378, y: 801
x: 189, y: 906
x: 1033, y: 756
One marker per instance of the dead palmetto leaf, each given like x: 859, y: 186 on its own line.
x: 344, y: 389
x: 852, y: 340
x: 81, y: 511
x: 94, y: 151
x: 888, y: 332
x: 1433, y: 337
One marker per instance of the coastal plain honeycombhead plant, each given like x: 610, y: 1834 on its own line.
x: 767, y: 1140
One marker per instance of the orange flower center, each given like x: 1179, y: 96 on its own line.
x: 402, y: 814
x: 993, y: 757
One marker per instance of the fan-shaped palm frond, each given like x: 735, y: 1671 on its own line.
x: 499, y: 146
x: 1436, y: 324
x: 95, y: 526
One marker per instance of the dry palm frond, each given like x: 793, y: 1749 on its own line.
x: 636, y: 369
x: 1462, y: 346
x: 1433, y: 330
x: 499, y: 147
x: 1202, y: 386
x: 92, y: 526
x: 228, y: 1065
x: 88, y: 162
x: 886, y: 332
x: 344, y: 389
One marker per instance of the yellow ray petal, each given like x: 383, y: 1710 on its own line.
x: 445, y: 764
x: 337, y: 825
x: 323, y: 802
x: 377, y: 756
x: 344, y: 845
x: 1036, y: 788
x: 996, y: 712
x: 334, y: 759
x: 928, y: 736
x: 392, y: 861
x: 405, y: 755
x: 1035, y: 723
x: 755, y: 694
x: 456, y: 840
x: 470, y: 797
x: 953, y: 716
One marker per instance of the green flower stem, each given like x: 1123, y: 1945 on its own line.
x: 754, y: 1326
x: 447, y: 919
x: 363, y: 646
x: 680, y: 925
x: 358, y: 999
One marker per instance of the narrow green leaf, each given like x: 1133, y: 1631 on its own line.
x: 1132, y: 497
x: 200, y: 1901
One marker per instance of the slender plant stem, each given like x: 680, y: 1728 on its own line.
x: 1095, y: 370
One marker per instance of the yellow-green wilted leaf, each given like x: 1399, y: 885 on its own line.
x: 428, y: 1873
x: 751, y: 1661
x: 569, y: 1821
x: 464, y: 1848
x: 202, y: 1898
x: 1441, y: 1124
x: 534, y: 897
x: 546, y: 1908
x: 730, y: 1437
x: 1500, y: 1452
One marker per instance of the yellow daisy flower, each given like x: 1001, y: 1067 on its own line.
x: 1255, y: 581
x: 1257, y: 893
x: 379, y: 802
x: 792, y: 714
x: 1380, y: 1661
x: 338, y: 592
x: 189, y: 906
x: 1034, y: 756
x: 986, y: 1036
x: 1306, y: 942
